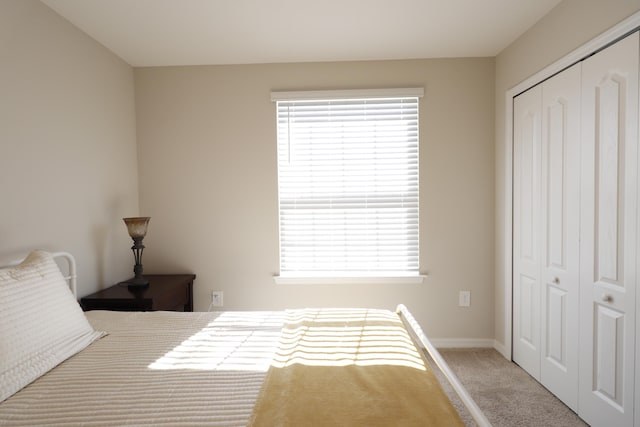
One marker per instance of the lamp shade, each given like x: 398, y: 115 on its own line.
x: 137, y: 226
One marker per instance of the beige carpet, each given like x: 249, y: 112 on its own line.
x: 506, y: 394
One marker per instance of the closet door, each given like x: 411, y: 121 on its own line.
x: 527, y: 150
x: 608, y: 234
x: 546, y: 232
x: 559, y: 227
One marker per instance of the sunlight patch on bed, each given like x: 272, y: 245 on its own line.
x: 233, y: 341
x: 254, y: 341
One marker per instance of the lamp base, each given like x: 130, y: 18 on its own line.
x: 137, y: 283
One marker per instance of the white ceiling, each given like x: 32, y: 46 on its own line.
x: 193, y: 32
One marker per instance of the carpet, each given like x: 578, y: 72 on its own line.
x: 505, y: 392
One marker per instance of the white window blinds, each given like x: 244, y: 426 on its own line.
x: 348, y: 184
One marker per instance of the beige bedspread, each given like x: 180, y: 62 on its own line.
x: 207, y: 369
x: 350, y: 368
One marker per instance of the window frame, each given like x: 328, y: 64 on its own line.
x: 291, y: 278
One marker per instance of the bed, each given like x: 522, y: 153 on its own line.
x: 314, y: 367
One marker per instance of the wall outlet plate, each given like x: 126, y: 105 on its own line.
x: 217, y: 298
x: 464, y: 299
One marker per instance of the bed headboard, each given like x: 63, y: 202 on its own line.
x: 70, y: 275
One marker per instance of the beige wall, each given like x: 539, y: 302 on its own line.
x: 568, y: 26
x: 67, y: 142
x: 208, y: 179
x: 207, y: 171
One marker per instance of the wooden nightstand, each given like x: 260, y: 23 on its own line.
x: 172, y: 292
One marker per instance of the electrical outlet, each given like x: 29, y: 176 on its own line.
x: 464, y: 299
x: 217, y: 299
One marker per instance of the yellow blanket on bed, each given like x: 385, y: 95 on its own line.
x: 339, y: 367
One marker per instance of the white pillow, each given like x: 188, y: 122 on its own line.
x: 41, y: 323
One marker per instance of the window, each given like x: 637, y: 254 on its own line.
x: 348, y: 183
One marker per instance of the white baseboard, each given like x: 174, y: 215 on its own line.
x: 463, y: 343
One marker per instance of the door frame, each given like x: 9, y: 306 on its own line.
x: 600, y: 42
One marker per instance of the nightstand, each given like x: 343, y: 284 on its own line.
x: 171, y: 292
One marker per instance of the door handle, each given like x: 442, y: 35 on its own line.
x: 607, y: 298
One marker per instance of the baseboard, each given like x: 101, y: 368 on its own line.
x: 463, y: 343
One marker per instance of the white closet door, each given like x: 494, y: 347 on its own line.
x: 527, y: 148
x: 559, y: 227
x: 608, y: 234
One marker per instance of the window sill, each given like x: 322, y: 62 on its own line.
x: 360, y: 280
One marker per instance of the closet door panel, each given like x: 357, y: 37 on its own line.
x: 526, y: 230
x: 609, y: 151
x: 560, y: 204
x: 609, y: 325
x: 608, y: 220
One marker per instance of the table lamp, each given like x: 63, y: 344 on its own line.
x: 137, y: 227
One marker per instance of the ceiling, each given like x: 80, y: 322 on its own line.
x: 196, y: 32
